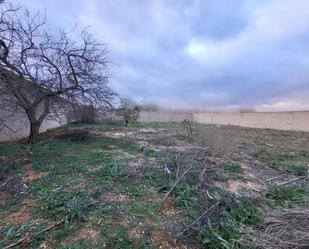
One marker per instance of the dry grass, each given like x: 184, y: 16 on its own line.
x: 285, y: 229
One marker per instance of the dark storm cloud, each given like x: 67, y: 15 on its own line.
x: 200, y: 53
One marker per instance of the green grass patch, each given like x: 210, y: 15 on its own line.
x: 294, y: 163
x: 286, y: 196
x: 134, y: 149
x: 9, y: 169
x: 224, y: 231
x: 234, y: 169
x: 65, y: 206
x: 12, y: 149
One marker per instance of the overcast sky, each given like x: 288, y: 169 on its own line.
x: 205, y: 54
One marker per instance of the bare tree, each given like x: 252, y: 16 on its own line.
x: 43, y: 74
x: 128, y: 110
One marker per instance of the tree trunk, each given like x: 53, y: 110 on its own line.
x: 34, y: 132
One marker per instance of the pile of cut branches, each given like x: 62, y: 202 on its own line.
x: 287, y: 228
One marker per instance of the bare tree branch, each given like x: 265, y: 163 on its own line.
x: 45, y: 75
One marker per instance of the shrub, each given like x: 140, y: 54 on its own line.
x: 86, y: 114
x: 189, y: 127
x: 76, y: 135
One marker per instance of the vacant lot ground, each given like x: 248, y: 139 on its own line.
x: 156, y: 186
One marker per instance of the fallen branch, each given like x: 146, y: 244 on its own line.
x: 273, y: 178
x: 48, y: 228
x: 289, y: 181
x: 129, y: 175
x: 174, y: 185
x: 209, y: 195
x: 197, y: 220
x: 286, y: 228
x: 3, y: 184
x: 27, y: 238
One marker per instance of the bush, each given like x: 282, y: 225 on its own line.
x: 86, y: 114
x: 76, y: 135
x: 190, y: 128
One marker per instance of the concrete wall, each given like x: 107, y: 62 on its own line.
x: 164, y: 116
x: 20, y: 125
x: 298, y: 121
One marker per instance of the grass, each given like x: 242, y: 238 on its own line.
x: 234, y: 169
x: 106, y: 190
x: 64, y: 206
x: 291, y: 162
x: 287, y: 196
x: 12, y: 149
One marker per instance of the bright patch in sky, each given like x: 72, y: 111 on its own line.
x: 206, y: 54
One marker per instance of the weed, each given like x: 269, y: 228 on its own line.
x: 100, y: 158
x: 296, y: 168
x: 155, y: 178
x: 223, y: 231
x: 59, y: 234
x: 221, y: 235
x: 14, y: 230
x: 117, y: 237
x: 233, y: 171
x: 285, y: 161
x: 286, y: 196
x: 134, y: 190
x: 108, y: 171
x: 134, y: 149
x: 234, y: 168
x: 66, y: 206
x: 188, y: 197
x: 143, y: 209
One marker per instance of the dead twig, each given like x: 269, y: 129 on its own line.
x: 272, y: 178
x: 286, y: 228
x: 289, y: 181
x: 130, y: 175
x: 179, y: 175
x: 3, y: 184
x: 208, y: 194
x: 27, y: 238
x: 24, y: 239
x: 197, y: 220
x: 48, y: 228
x: 174, y: 185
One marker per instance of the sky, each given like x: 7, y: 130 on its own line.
x: 199, y: 54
